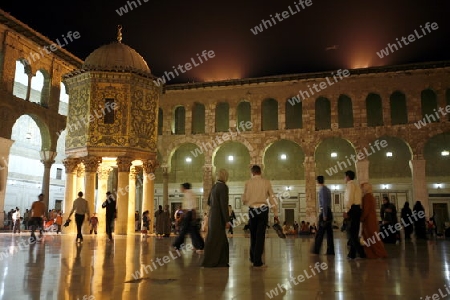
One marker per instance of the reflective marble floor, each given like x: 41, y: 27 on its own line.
x: 58, y: 268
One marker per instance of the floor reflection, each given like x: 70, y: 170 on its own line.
x: 58, y: 268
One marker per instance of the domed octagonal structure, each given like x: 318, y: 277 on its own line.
x: 116, y: 57
x: 112, y: 128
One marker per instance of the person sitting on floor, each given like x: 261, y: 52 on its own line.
x: 304, y: 229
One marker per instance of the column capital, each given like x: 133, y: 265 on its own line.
x: 124, y: 163
x: 48, y: 158
x: 103, y: 172
x: 150, y: 166
x: 134, y: 171
x: 207, y: 167
x: 80, y: 170
x: 71, y: 164
x: 165, y: 170
x: 91, y: 163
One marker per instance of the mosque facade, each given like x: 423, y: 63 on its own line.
x: 103, y: 124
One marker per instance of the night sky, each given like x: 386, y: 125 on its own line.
x: 168, y: 33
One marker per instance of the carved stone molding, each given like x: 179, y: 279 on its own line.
x: 80, y: 171
x: 71, y: 164
x: 91, y: 163
x: 124, y: 163
x: 150, y: 166
x: 103, y: 172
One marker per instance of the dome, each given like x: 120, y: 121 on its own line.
x: 116, y: 57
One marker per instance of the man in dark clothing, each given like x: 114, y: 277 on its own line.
x: 388, y: 215
x: 110, y: 205
x: 325, y: 219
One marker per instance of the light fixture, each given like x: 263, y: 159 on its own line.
x: 438, y: 186
x: 288, y: 188
x: 385, y: 186
x: 445, y: 153
x: 335, y: 187
x: 230, y: 157
x: 388, y: 154
x: 188, y: 160
x: 333, y: 154
x: 283, y: 156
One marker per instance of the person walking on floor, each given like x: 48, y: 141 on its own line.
x: 325, y: 218
x: 145, y: 223
x: 352, y: 211
x: 189, y: 221
x: 110, y: 206
x: 16, y: 220
x: 37, y: 214
x: 162, y: 221
x: 374, y: 247
x: 232, y: 218
x: 81, y: 208
x: 257, y: 195
x: 217, y: 252
x: 405, y: 213
x: 94, y: 223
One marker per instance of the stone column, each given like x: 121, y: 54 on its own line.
x: 207, y: 185
x: 48, y: 159
x: 5, y: 146
x: 165, y: 171
x: 27, y: 97
x: 131, y: 200
x: 80, y: 187
x: 148, y: 197
x: 103, y: 172
x: 419, y: 183
x: 71, y: 165
x: 188, y: 122
x: 281, y: 115
x: 123, y: 164
x: 362, y: 171
x: 310, y: 187
x: 91, y: 164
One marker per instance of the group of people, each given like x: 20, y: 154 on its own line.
x: 81, y: 209
x: 362, y: 225
x: 259, y: 197
x: 304, y: 228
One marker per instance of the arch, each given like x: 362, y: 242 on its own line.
x: 399, y: 114
x: 198, y: 118
x: 294, y: 115
x: 244, y: 112
x: 40, y: 95
x: 160, y: 121
x: 428, y: 104
x: 61, y: 146
x: 437, y: 163
x: 269, y: 114
x: 183, y: 169
x: 333, y: 157
x: 345, y: 112
x: 22, y: 72
x: 27, y: 134
x: 323, y: 113
x: 383, y: 167
x: 283, y: 160
x: 63, y: 107
x: 222, y: 117
x: 240, y: 155
x: 374, y: 110
x: 179, y: 120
